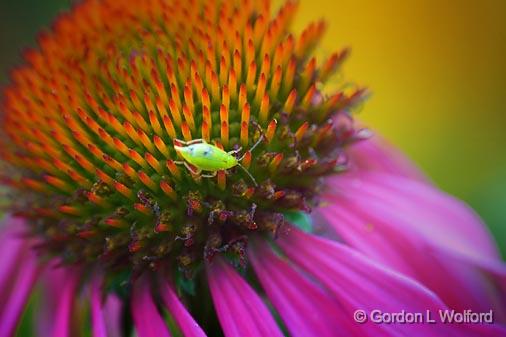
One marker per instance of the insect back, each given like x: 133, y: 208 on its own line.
x: 207, y: 157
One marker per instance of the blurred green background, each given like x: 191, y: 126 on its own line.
x: 437, y: 70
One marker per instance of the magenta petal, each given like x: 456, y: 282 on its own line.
x: 377, y: 155
x: 63, y: 315
x: 185, y: 321
x: 97, y: 315
x: 433, y: 215
x: 12, y: 248
x: 13, y: 307
x: 105, y: 315
x: 147, y: 320
x: 410, y: 231
x: 112, y: 311
x: 51, y: 282
x: 359, y: 283
x: 304, y: 307
x: 240, y: 310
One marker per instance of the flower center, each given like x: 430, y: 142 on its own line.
x: 102, y: 124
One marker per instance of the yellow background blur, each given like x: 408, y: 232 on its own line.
x: 437, y: 70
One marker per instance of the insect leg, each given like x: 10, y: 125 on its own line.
x: 249, y: 174
x: 191, y: 142
x: 235, y: 151
x: 192, y: 169
x: 210, y: 175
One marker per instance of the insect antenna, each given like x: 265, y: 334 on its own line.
x: 253, y: 147
x: 249, y: 174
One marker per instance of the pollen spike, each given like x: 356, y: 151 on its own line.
x: 188, y: 97
x: 71, y: 210
x: 131, y: 132
x: 224, y: 133
x: 206, y: 117
x: 146, y: 180
x: 58, y: 183
x: 274, y: 164
x: 215, y: 87
x: 243, y: 95
x: 222, y: 180
x: 290, y: 102
x: 173, y: 169
x: 84, y: 163
x: 167, y: 189
x: 271, y: 130
x: 332, y: 65
x: 153, y: 162
x: 142, y: 209
x: 308, y: 98
x: 124, y: 190
x: 78, y: 178
x: 188, y: 116
x: 130, y: 172
x: 262, y: 82
x: 174, y: 110
x: 98, y: 200
x: 185, y: 129
x: 145, y: 141
x: 160, y: 145
x: 169, y: 127
x: 206, y: 102
x: 140, y: 122
x: 301, y: 131
x: 264, y: 109
x: 35, y: 185
x: 225, y: 97
x: 118, y: 223
x: 266, y: 65
x: 120, y: 146
x: 251, y: 75
x: 232, y: 84
x: 246, y: 160
x: 206, y: 135
x: 138, y: 159
x: 237, y: 64
x: 153, y: 119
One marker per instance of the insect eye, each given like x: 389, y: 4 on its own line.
x: 206, y: 152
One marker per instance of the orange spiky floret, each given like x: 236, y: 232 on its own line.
x: 91, y: 119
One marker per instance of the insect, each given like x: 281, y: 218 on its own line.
x: 201, y: 156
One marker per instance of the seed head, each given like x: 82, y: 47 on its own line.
x: 90, y: 121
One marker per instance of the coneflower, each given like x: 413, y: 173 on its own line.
x: 126, y: 227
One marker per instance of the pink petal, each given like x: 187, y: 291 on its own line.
x: 97, y: 315
x: 13, y: 307
x: 12, y: 250
x: 361, y: 284
x: 376, y: 155
x: 435, y: 215
x: 439, y: 272
x: 304, y: 307
x: 112, y: 311
x: 51, y: 282
x: 185, y: 321
x: 67, y: 296
x: 392, y: 228
x: 147, y: 320
x: 240, y: 310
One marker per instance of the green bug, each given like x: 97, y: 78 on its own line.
x: 201, y: 156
